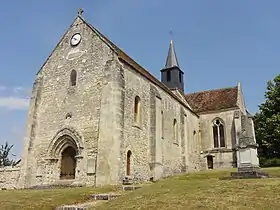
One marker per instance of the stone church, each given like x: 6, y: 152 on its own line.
x: 96, y: 117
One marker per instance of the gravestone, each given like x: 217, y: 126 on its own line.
x: 91, y: 166
x: 246, y: 151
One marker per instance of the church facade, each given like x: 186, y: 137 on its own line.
x: 97, y: 117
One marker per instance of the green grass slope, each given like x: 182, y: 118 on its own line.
x: 200, y: 190
x: 46, y: 199
x: 203, y: 190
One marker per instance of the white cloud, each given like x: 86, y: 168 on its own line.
x: 21, y: 90
x: 17, y: 89
x: 14, y: 98
x: 14, y: 103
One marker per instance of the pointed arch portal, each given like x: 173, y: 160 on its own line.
x: 66, y: 145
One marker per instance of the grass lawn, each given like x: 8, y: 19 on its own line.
x: 46, y: 199
x: 201, y: 190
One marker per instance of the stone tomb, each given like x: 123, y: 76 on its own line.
x: 246, y: 151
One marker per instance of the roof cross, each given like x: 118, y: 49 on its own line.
x: 80, y: 12
x: 171, y: 33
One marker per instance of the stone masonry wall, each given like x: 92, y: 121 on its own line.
x: 9, y: 177
x: 141, y: 139
x: 91, y: 59
x: 222, y: 157
x: 111, y: 128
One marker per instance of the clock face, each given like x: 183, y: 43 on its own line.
x: 75, y: 40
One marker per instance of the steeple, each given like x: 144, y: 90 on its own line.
x: 171, y: 75
x: 171, y: 59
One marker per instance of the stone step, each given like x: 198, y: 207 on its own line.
x: 71, y: 207
x: 130, y: 187
x: 95, y: 198
x: 58, y: 184
x: 249, y: 174
x: 246, y: 175
x: 103, y: 196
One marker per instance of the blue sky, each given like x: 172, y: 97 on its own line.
x: 218, y: 43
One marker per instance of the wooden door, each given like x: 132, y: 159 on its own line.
x: 68, y: 164
x: 210, y: 163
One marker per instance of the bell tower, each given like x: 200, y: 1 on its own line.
x: 171, y: 75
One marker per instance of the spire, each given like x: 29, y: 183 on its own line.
x: 171, y: 59
x: 171, y: 75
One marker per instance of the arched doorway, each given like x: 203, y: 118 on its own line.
x: 128, y: 161
x: 210, y: 163
x: 68, y: 163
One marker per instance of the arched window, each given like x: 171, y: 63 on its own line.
x: 162, y: 125
x: 137, y: 109
x: 68, y: 116
x: 175, y: 130
x: 73, y: 78
x: 128, y: 161
x: 218, y: 133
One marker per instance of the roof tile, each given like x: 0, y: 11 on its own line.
x: 213, y: 100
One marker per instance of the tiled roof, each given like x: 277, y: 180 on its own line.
x: 213, y: 100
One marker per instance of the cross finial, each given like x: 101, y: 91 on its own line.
x: 80, y: 12
x: 171, y: 33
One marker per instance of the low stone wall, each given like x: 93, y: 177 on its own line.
x: 9, y: 177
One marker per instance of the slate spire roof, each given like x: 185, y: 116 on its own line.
x: 171, y: 60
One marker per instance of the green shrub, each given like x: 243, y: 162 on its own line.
x: 269, y: 162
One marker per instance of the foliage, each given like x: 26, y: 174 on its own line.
x: 269, y: 162
x: 4, y: 155
x: 267, y: 121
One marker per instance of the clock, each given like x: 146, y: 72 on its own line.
x: 75, y: 40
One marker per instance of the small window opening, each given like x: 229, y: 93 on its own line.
x: 73, y: 78
x: 68, y: 116
x: 128, y: 162
x: 175, y: 130
x: 137, y: 109
x: 162, y: 125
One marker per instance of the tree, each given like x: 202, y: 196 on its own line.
x: 267, y: 121
x: 4, y: 155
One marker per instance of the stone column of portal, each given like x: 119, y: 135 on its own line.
x: 110, y: 127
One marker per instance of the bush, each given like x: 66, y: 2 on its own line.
x: 269, y: 162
